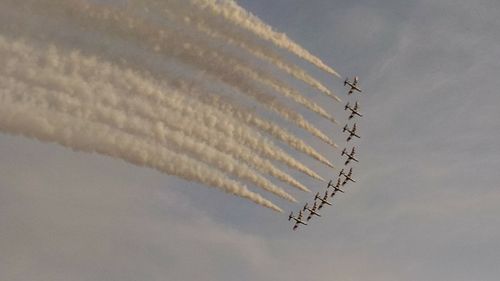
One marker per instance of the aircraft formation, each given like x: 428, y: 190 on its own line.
x: 305, y: 214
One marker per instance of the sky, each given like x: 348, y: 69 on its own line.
x: 425, y: 205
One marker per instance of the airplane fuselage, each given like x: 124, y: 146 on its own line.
x: 347, y: 179
x: 354, y: 112
x: 353, y: 133
x: 325, y: 201
x: 313, y: 212
x: 297, y: 221
x: 349, y: 158
x: 353, y: 87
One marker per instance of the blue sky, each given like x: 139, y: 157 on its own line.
x: 425, y: 206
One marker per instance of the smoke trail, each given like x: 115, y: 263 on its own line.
x: 173, y: 44
x: 126, y: 100
x: 37, y: 120
x: 96, y: 111
x: 217, y: 29
x: 276, y: 131
x: 142, y: 35
x: 278, y: 86
x: 232, y: 12
x: 119, y: 24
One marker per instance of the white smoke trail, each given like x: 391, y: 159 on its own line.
x: 232, y: 12
x: 173, y: 44
x: 276, y: 131
x: 282, y: 89
x: 116, y: 23
x: 220, y: 30
x: 21, y: 64
x: 36, y: 120
x: 134, y: 32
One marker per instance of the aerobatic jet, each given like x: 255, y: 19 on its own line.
x: 298, y: 220
x: 323, y: 200
x: 350, y: 156
x: 354, y: 110
x: 335, y: 187
x: 348, y: 176
x: 352, y: 132
x: 312, y: 211
x: 353, y: 85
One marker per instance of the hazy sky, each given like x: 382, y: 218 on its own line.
x: 425, y: 207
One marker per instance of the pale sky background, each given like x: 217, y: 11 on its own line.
x: 425, y: 207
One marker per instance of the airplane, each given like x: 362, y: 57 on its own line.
x: 348, y: 176
x: 298, y: 220
x: 323, y: 200
x: 312, y: 211
x: 335, y: 187
x: 352, y: 132
x: 353, y: 85
x: 350, y: 156
x: 354, y: 110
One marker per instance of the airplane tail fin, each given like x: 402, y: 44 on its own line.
x: 305, y: 207
x: 345, y: 128
x: 346, y: 80
x: 343, y: 152
x: 346, y: 106
x: 290, y: 216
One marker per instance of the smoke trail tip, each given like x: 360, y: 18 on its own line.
x: 333, y: 120
x: 321, y: 179
x: 331, y: 71
x: 334, y: 145
x: 306, y: 190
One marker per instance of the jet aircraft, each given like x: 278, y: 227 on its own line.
x: 335, y: 187
x: 298, y: 220
x: 312, y: 211
x: 323, y: 200
x: 350, y: 156
x: 348, y: 176
x: 353, y: 85
x: 354, y: 110
x: 352, y: 132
